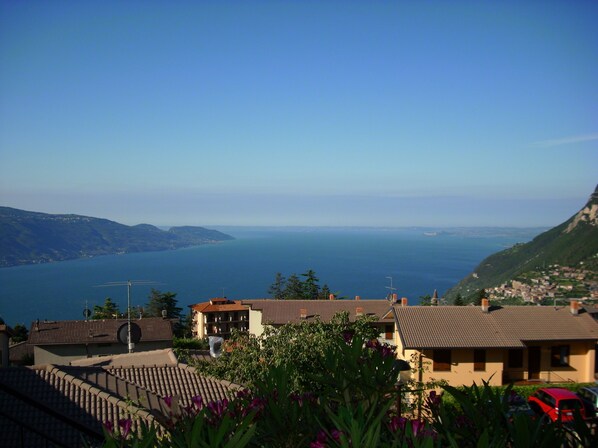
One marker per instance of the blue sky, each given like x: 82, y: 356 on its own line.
x: 300, y: 113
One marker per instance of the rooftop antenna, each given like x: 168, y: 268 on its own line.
x: 128, y: 284
x: 392, y: 290
x: 86, y: 311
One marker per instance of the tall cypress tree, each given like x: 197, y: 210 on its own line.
x: 310, y: 285
x: 277, y: 288
x: 294, y: 288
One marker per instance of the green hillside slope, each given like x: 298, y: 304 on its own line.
x: 31, y: 237
x: 568, y: 244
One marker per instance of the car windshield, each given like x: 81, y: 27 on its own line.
x: 569, y: 404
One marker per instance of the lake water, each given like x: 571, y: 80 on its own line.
x: 351, y: 261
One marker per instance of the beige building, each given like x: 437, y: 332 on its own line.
x: 280, y: 312
x: 219, y: 317
x: 498, y: 344
x: 59, y: 342
x: 458, y: 344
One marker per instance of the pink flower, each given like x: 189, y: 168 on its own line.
x: 218, y: 408
x: 336, y: 435
x: 322, y: 437
x: 417, y: 426
x: 168, y: 401
x: 125, y: 426
x: 109, y: 426
x: 397, y: 423
x: 197, y: 401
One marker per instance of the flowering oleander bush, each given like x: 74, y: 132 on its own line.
x: 356, y: 404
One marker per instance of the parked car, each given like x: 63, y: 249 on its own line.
x: 589, y: 396
x: 557, y: 403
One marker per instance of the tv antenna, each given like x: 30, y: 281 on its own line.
x: 128, y: 284
x: 391, y: 289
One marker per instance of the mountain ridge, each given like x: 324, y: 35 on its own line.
x: 573, y: 242
x: 28, y: 237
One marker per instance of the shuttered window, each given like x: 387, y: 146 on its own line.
x: 389, y: 331
x: 479, y: 360
x: 442, y: 361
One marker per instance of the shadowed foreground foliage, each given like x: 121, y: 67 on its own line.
x: 355, y: 406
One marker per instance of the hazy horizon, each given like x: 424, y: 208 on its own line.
x: 263, y: 113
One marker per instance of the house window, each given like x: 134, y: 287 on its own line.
x: 559, y: 356
x: 515, y: 359
x: 389, y: 331
x: 442, y: 360
x: 479, y: 360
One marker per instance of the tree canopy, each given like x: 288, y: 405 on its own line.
x: 299, y: 348
x: 298, y: 287
x: 20, y: 333
x: 107, y: 311
x: 159, y: 301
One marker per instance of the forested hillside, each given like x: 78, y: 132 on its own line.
x: 572, y: 242
x: 31, y: 237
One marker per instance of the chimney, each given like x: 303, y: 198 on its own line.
x: 404, y: 301
x: 485, y: 305
x: 303, y: 313
x: 331, y: 297
x: 357, y: 298
x: 395, y: 297
x: 359, y: 311
x: 574, y: 307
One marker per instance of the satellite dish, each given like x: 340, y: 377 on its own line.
x: 123, y: 332
x: 215, y: 346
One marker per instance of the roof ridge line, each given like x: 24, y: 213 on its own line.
x: 103, y: 394
x: 194, y: 370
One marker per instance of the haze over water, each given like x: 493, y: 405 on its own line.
x: 352, y: 261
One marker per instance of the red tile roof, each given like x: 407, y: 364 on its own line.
x: 216, y: 305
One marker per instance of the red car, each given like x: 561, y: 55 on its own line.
x: 556, y: 403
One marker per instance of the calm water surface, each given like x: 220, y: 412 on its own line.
x: 351, y: 261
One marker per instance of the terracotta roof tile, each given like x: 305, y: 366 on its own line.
x: 62, y: 401
x: 215, y: 305
x: 469, y: 327
x: 53, y: 403
x: 280, y: 312
x: 97, y: 331
x: 180, y: 381
x: 143, y: 358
